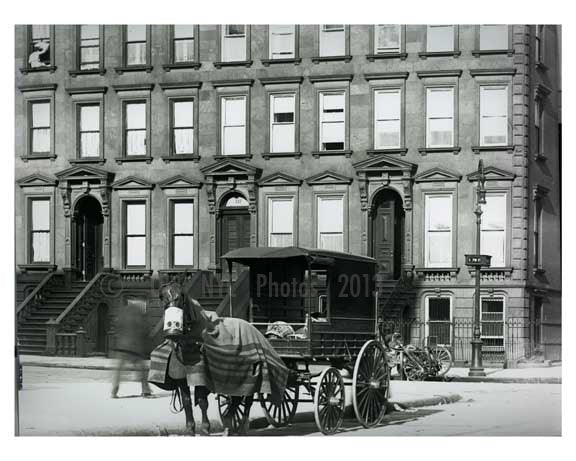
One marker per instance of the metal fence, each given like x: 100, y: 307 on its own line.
x: 511, y: 339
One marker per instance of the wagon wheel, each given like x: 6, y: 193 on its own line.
x: 444, y: 358
x: 234, y: 412
x: 329, y: 401
x: 280, y: 415
x: 370, y: 384
x: 412, y: 369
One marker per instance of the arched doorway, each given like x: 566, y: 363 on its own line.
x: 234, y: 225
x: 88, y: 237
x: 387, y: 234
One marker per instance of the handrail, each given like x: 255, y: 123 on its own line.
x: 34, y: 292
x: 78, y: 298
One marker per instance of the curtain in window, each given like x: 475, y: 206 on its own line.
x: 440, y: 114
x: 331, y: 223
x: 387, y: 107
x: 333, y: 130
x: 183, y: 119
x: 136, y: 234
x: 283, y: 129
x: 281, y: 222
x: 282, y: 41
x: 332, y: 40
x: 438, y: 230
x: 40, y: 228
x: 90, y: 131
x: 387, y: 38
x: 183, y: 43
x: 234, y: 126
x: 41, y: 127
x: 233, y: 43
x: 136, y: 129
x: 493, y: 115
x: 493, y: 235
x: 183, y: 244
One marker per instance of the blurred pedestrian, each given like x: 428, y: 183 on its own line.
x: 131, y: 345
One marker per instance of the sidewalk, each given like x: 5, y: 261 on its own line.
x: 545, y: 375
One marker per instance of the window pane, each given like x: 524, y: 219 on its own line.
x: 494, y: 212
x: 41, y: 247
x: 234, y: 140
x: 281, y: 240
x: 492, y: 243
x: 234, y: 111
x: 40, y: 31
x: 234, y: 48
x: 283, y: 138
x: 136, y: 54
x: 332, y: 40
x: 283, y: 104
x: 184, y: 140
x: 90, y: 144
x: 330, y: 214
x: 41, y: 215
x: 332, y: 132
x: 183, y: 218
x: 332, y: 242
x: 183, y: 50
x: 440, y: 132
x: 90, y: 56
x: 136, y: 116
x: 387, y: 105
x: 136, y: 251
x: 494, y: 131
x: 281, y: 216
x: 90, y: 31
x: 183, y: 113
x: 183, y: 250
x: 440, y: 38
x: 183, y: 31
x: 493, y: 37
x: 387, y: 134
x: 440, y: 102
x: 90, y: 118
x: 136, y: 218
x: 41, y: 140
x: 282, y: 41
x: 235, y: 29
x: 136, y: 33
x: 439, y: 249
x: 136, y: 142
x: 439, y: 309
x: 332, y: 107
x: 387, y: 38
x: 493, y: 101
x: 41, y: 114
x: 439, y: 213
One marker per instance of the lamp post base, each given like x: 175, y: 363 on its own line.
x: 476, y: 368
x: 476, y: 372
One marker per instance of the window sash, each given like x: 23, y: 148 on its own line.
x: 136, y: 45
x: 233, y: 125
x: 332, y: 121
x: 280, y: 222
x: 135, y: 130
x: 439, y: 323
x: 440, y: 38
x: 282, y: 40
x: 332, y: 40
x: 493, y: 228
x: 387, y: 119
x: 183, y: 127
x: 492, y: 321
x: 330, y: 223
x: 493, y: 37
x: 234, y: 43
x: 440, y: 117
x: 282, y: 123
x: 135, y: 234
x: 438, y: 228
x: 493, y: 115
x: 387, y: 38
x: 182, y: 231
x: 40, y: 216
x: 89, y: 47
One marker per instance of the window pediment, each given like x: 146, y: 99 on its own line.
x: 438, y: 174
x: 84, y: 173
x: 492, y: 174
x: 279, y: 179
x: 179, y: 182
x: 230, y: 168
x: 328, y: 177
x: 37, y: 179
x: 132, y: 182
x: 384, y: 163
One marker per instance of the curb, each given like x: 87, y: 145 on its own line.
x: 477, y: 379
x: 257, y: 423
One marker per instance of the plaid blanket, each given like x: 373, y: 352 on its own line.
x: 240, y: 361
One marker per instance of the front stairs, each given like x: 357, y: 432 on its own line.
x: 31, y: 330
x: 395, y: 299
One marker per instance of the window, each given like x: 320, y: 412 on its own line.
x: 492, y: 325
x: 282, y: 41
x: 89, y: 130
x: 182, y: 118
x: 39, y: 52
x: 331, y: 223
x: 440, y: 38
x: 135, y: 128
x: 40, y: 127
x: 493, y: 230
x: 280, y: 221
x: 538, y: 119
x: 233, y: 42
x: 438, y: 230
x: 387, y: 38
x: 89, y: 47
x: 440, y: 117
x: 39, y: 216
x: 234, y: 125
x: 135, y: 45
x: 493, y: 115
x: 439, y: 320
x: 182, y: 233
x: 332, y: 121
x: 387, y: 118
x: 538, y: 210
x: 135, y: 234
x: 183, y: 43
x: 332, y: 40
x: 282, y: 123
x: 493, y: 37
x: 538, y: 33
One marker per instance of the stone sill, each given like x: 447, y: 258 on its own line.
x: 136, y: 158
x: 434, y: 274
x: 140, y: 68
x: 319, y: 59
x: 182, y: 65
x: 492, y: 273
x: 43, y: 267
x: 478, y: 53
x: 437, y: 54
x: 433, y: 150
x: 269, y: 155
x: 181, y: 158
x: 478, y: 149
x: 97, y: 160
x: 374, y: 57
x: 219, y: 64
x: 25, y: 158
x: 236, y: 157
x: 75, y: 73
x: 267, y: 62
x: 30, y: 70
x: 318, y: 154
x: 374, y: 152
x: 134, y: 271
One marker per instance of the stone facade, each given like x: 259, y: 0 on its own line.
x: 526, y: 172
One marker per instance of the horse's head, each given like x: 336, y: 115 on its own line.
x: 173, y: 300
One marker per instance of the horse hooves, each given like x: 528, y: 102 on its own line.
x: 205, y: 429
x: 191, y: 428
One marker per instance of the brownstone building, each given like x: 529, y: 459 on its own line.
x: 146, y: 151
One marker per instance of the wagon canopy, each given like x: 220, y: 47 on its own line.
x: 315, y: 257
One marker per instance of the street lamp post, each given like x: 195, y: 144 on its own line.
x: 476, y: 368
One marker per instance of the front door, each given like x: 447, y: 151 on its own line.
x: 386, y: 235
x: 234, y: 229
x: 88, y: 232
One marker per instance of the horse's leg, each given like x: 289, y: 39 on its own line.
x: 201, y: 395
x: 187, y: 403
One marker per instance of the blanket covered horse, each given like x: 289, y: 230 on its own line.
x: 220, y: 355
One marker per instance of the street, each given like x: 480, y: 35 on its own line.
x: 60, y: 401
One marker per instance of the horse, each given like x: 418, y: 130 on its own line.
x: 226, y: 356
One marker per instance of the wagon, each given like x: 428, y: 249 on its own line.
x: 326, y: 302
